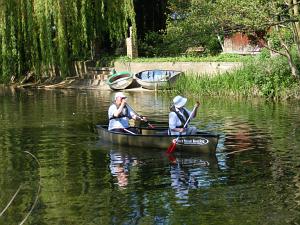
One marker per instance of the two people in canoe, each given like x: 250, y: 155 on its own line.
x: 119, y: 114
x: 179, y: 116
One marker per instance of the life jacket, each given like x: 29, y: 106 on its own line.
x: 181, y: 118
x: 124, y: 113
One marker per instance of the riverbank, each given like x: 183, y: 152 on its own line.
x: 91, y: 77
x: 269, y: 78
x: 258, y: 76
x: 189, y: 68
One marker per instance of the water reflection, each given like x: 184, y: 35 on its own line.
x: 121, y: 166
x: 186, y: 171
x: 242, y: 136
x: 191, y: 172
x: 254, y: 178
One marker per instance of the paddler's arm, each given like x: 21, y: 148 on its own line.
x: 196, y: 109
x: 136, y: 117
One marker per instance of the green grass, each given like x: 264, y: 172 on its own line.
x: 229, y: 84
x: 267, y: 78
x: 218, y: 58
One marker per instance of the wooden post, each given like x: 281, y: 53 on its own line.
x: 132, y: 51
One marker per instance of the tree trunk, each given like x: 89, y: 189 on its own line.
x: 221, y: 42
x: 293, y: 4
x: 287, y: 54
x: 294, y: 70
x: 296, y: 27
x: 296, y: 14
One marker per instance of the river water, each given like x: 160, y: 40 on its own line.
x: 54, y: 169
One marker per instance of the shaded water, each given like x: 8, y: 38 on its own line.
x: 253, y: 179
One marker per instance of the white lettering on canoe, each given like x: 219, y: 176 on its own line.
x: 198, y: 141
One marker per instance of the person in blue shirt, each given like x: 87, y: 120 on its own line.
x: 179, y: 115
x: 119, y: 115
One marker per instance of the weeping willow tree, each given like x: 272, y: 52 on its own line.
x: 46, y: 36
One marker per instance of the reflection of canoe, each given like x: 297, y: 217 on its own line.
x: 121, y: 80
x: 158, y: 138
x: 157, y: 79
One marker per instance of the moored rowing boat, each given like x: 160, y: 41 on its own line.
x: 157, y: 79
x: 121, y: 80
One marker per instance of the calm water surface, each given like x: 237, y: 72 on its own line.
x: 55, y: 170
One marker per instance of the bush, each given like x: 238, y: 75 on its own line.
x: 261, y: 76
x: 151, y: 46
x: 174, y: 43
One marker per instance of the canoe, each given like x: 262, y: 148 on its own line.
x: 121, y: 80
x: 157, y: 138
x: 157, y: 79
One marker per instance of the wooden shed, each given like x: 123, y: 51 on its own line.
x: 241, y: 43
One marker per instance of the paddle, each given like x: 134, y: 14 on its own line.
x: 172, y: 147
x: 150, y: 125
x: 128, y: 131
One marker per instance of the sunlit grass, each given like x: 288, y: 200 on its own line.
x: 184, y: 58
x: 229, y: 84
x: 250, y: 81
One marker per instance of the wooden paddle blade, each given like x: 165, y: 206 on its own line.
x: 150, y: 125
x: 172, y: 147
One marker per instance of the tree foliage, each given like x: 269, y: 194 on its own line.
x: 44, y: 36
x: 279, y: 19
x: 199, y: 21
x: 190, y: 24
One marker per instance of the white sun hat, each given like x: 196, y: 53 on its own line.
x: 179, y: 101
x: 119, y: 94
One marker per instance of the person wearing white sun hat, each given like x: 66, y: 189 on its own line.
x: 119, y: 115
x: 179, y: 115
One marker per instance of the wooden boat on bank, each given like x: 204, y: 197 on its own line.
x: 120, y: 80
x: 159, y: 139
x: 157, y: 79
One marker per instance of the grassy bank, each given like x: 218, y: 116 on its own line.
x: 260, y: 77
x: 188, y: 58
